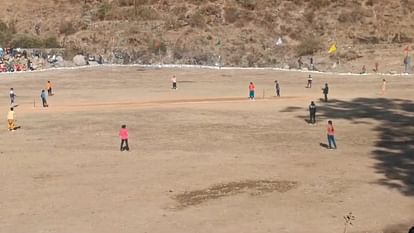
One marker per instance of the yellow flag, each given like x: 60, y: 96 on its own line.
x: 333, y: 48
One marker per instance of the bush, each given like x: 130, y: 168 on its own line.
x: 197, y: 20
x: 3, y: 27
x: 51, y: 42
x: 28, y: 41
x: 231, y: 14
x: 66, y: 28
x: 248, y: 4
x: 123, y: 3
x: 157, y: 47
x: 103, y: 11
x: 147, y: 13
x: 349, y: 55
x: 308, y: 47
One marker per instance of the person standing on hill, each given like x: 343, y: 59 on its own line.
x: 174, y: 82
x: 309, y: 85
x: 311, y: 65
x: 331, y: 135
x: 43, y: 96
x: 312, y: 113
x: 123, y: 135
x: 277, y: 88
x: 49, y: 88
x: 252, y: 88
x: 325, y: 91
x: 300, y: 63
x: 12, y: 96
x: 11, y: 121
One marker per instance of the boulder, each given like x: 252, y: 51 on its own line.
x: 79, y: 60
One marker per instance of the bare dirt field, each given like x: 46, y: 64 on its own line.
x: 204, y: 158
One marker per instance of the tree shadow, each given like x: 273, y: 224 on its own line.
x: 394, y: 150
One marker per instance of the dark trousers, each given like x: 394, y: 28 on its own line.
x: 278, y: 92
x: 326, y: 97
x: 126, y: 147
x: 49, y: 91
x: 312, y: 118
x: 331, y: 140
x: 44, y: 103
x: 174, y: 85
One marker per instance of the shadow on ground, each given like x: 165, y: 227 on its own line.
x: 394, y: 150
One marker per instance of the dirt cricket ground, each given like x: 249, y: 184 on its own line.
x: 203, y: 158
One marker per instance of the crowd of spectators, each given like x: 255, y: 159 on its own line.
x: 15, y: 59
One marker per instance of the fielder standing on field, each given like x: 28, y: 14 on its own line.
x: 277, y: 88
x: 174, y: 82
x: 252, y: 88
x: 11, y: 121
x: 12, y: 96
x: 312, y: 113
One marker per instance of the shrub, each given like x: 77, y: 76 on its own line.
x: 26, y: 41
x: 3, y: 27
x: 29, y: 41
x: 308, y: 47
x: 147, y: 13
x: 157, y: 47
x: 180, y: 11
x: 197, y: 20
x: 231, y: 14
x: 66, y: 28
x: 123, y: 3
x: 349, y: 55
x: 103, y: 11
x: 248, y: 4
x: 51, y: 42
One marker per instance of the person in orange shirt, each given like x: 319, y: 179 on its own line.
x: 331, y: 135
x: 251, y: 90
x: 49, y: 88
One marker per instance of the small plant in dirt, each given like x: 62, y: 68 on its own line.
x: 348, y: 219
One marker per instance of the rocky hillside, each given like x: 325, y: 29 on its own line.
x: 234, y: 32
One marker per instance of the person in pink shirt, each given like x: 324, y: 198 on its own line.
x: 123, y: 135
x: 331, y: 135
x: 174, y: 82
x: 251, y: 90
